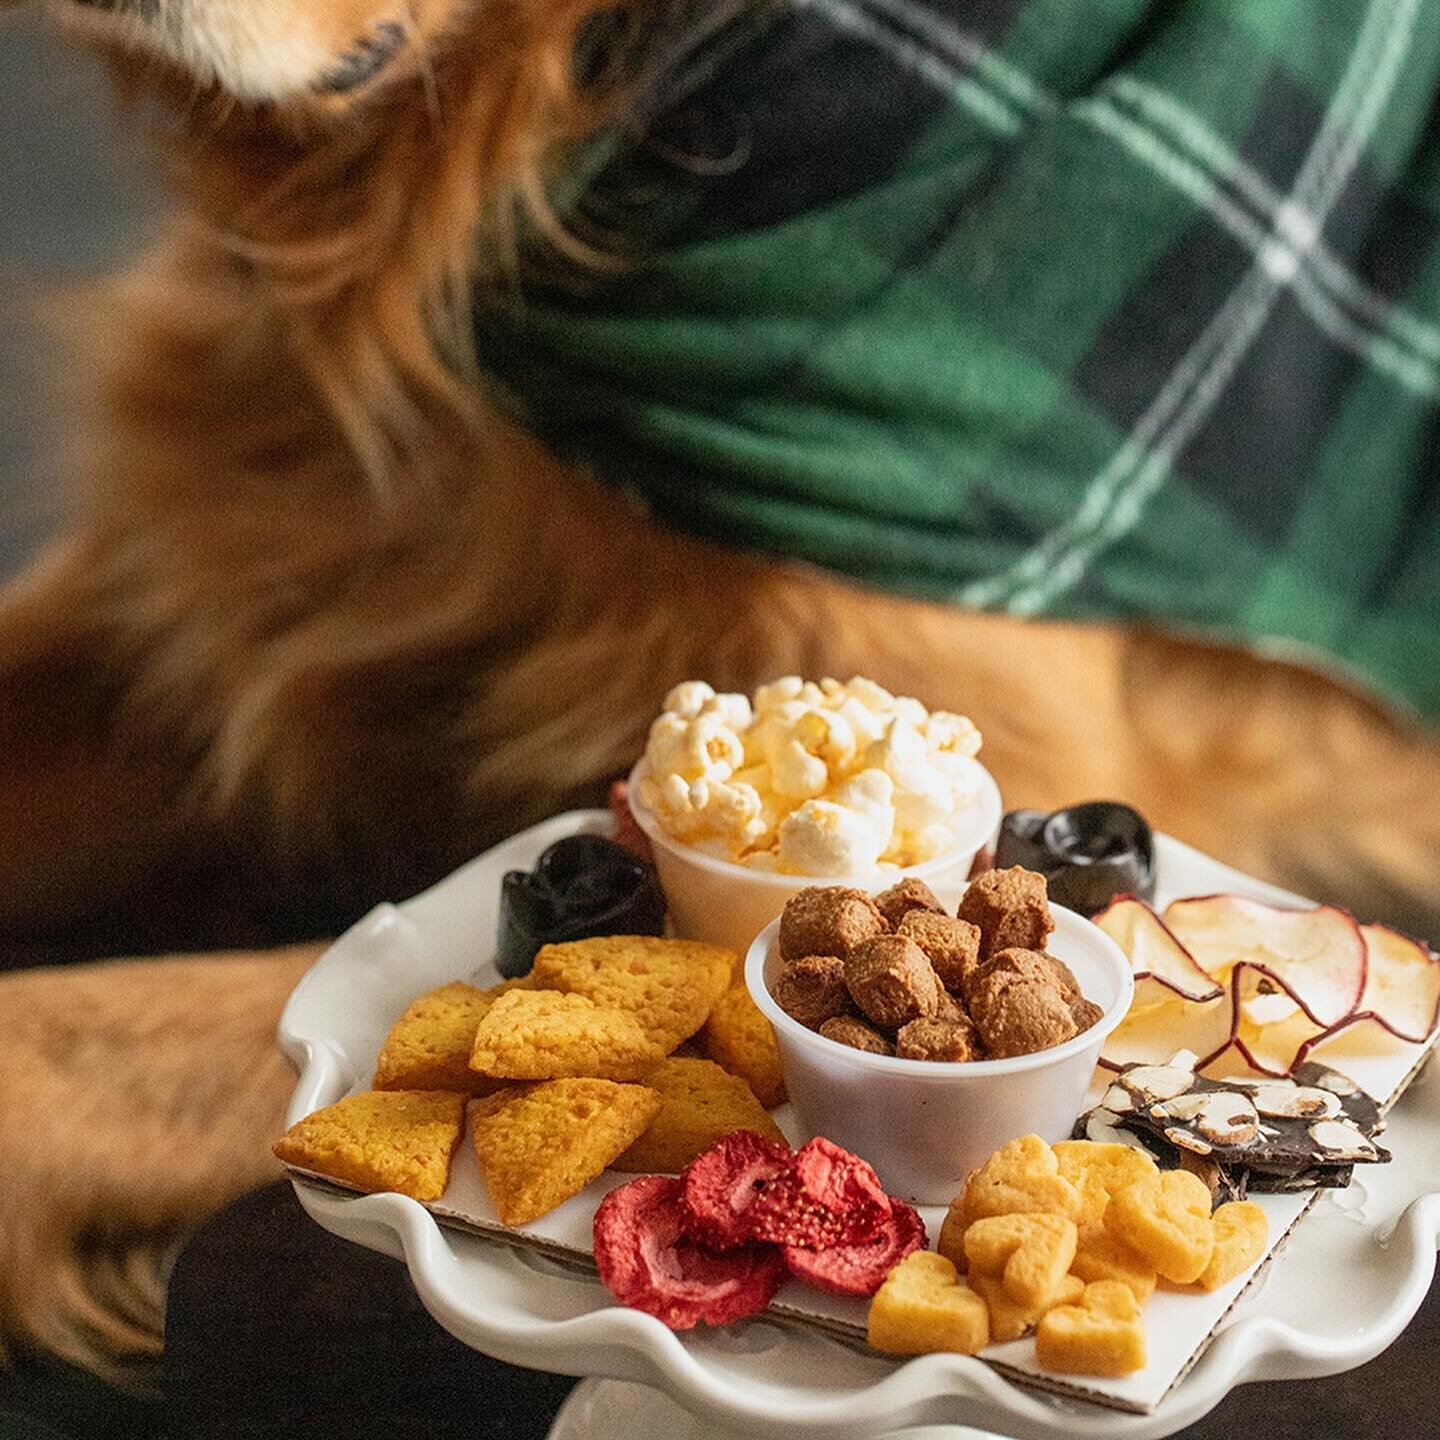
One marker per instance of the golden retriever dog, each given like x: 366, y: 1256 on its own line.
x: 325, y: 618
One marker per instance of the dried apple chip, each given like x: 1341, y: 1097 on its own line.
x: 1402, y: 984
x: 1151, y: 1036
x: 1272, y: 1029
x: 1163, y: 967
x: 1317, y: 955
x: 1280, y: 986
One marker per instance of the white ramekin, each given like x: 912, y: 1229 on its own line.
x: 925, y: 1124
x: 729, y: 904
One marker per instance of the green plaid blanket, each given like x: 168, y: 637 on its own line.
x: 1109, y: 309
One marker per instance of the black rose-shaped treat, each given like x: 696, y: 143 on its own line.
x: 1087, y: 853
x: 581, y: 886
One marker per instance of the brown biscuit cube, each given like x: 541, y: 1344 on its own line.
x: 812, y: 989
x: 1019, y: 1014
x: 1030, y: 965
x: 827, y: 920
x: 1069, y: 985
x: 848, y: 1030
x: 1010, y: 907
x: 950, y: 1008
x: 905, y: 896
x: 953, y: 946
x: 938, y: 1039
x: 892, y: 981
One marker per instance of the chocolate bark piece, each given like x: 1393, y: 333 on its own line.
x: 905, y: 896
x: 953, y: 946
x: 1280, y: 1125
x: 1284, y: 1157
x: 935, y: 1039
x: 854, y: 1032
x: 1259, y: 1181
x: 892, y: 981
x: 1010, y: 908
x: 828, y: 920
x: 812, y: 989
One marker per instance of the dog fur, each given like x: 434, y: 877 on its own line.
x: 321, y: 625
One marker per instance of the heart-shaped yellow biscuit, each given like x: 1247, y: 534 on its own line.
x: 1097, y: 1169
x: 922, y: 1308
x: 1030, y: 1253
x: 1094, y: 1202
x: 1021, y: 1178
x: 1009, y: 1321
x: 1100, y: 1256
x: 1112, y: 1166
x: 1101, y: 1335
x: 952, y: 1234
x: 1242, y: 1231
x: 1165, y: 1219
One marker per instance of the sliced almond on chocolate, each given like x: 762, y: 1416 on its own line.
x: 1289, y: 1101
x: 1223, y: 1118
x: 1151, y: 1084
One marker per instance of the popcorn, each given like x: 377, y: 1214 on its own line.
x: 951, y: 737
x: 923, y: 794
x: 822, y: 838
x: 687, y: 699
x: 692, y: 698
x: 809, y: 779
x: 794, y: 771
x: 703, y: 747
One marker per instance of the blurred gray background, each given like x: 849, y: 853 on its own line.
x: 75, y: 196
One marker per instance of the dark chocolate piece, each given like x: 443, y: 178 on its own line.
x: 1087, y: 853
x: 1281, y: 1124
x: 1225, y: 1182
x: 1263, y: 1136
x: 581, y: 886
x: 1291, y: 1182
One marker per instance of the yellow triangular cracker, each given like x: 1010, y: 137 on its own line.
x: 429, y: 1046
x: 381, y: 1140
x: 670, y: 986
x: 548, y: 1035
x: 738, y: 1038
x: 540, y: 1144
x: 699, y: 1104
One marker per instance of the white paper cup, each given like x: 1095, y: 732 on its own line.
x: 925, y: 1124
x: 728, y: 904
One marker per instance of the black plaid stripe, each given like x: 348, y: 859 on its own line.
x: 756, y: 145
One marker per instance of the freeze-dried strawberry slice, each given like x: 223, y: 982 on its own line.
x: 647, y: 1262
x: 860, y: 1269
x: 829, y: 1197
x: 722, y: 1184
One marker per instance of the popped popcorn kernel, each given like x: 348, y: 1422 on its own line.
x: 827, y: 779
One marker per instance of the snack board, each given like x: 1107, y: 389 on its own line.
x: 373, y: 972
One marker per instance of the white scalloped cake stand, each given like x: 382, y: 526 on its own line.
x: 1347, y: 1282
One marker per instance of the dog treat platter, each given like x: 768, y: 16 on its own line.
x: 1345, y: 1272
